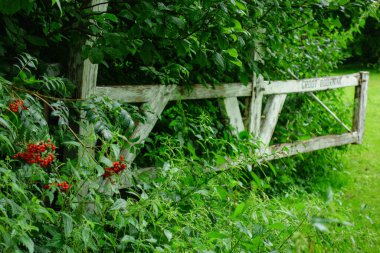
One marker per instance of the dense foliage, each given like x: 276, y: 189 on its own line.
x: 365, y: 48
x: 186, y: 41
x: 52, y: 201
x: 64, y: 206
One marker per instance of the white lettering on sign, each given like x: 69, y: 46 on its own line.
x: 321, y: 83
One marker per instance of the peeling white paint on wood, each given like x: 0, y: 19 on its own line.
x: 270, y: 117
x: 360, y: 104
x: 312, y: 84
x: 313, y: 144
x: 254, y: 117
x: 231, y: 107
x: 152, y: 111
x: 143, y: 93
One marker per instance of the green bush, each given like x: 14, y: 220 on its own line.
x: 188, y: 203
x: 54, y: 200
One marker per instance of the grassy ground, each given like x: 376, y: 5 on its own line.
x: 362, y: 193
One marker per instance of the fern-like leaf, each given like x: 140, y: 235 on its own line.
x: 55, y: 85
x: 25, y: 62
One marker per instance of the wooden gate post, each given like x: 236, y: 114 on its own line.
x: 360, y: 104
x: 83, y: 73
x: 254, y: 116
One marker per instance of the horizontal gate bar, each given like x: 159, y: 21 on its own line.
x: 312, y: 84
x: 289, y: 149
x: 313, y: 144
x: 144, y: 93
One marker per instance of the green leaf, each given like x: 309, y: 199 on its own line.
x: 104, y: 160
x: 232, y: 52
x: 219, y: 60
x: 67, y: 224
x: 241, y: 6
x: 10, y: 7
x: 85, y: 235
x: 95, y: 55
x: 57, y: 241
x: 146, y: 52
x: 119, y: 204
x: 277, y: 225
x: 239, y: 210
x: 179, y: 22
x: 244, y: 78
x: 115, y: 150
x: 191, y: 148
x: 217, y: 235
x: 71, y: 144
x: 111, y: 17
x: 219, y: 160
x: 223, y: 193
x: 36, y: 40
x: 237, y: 63
x: 27, y: 241
x: 168, y: 235
x: 127, y: 238
x: 273, y: 169
x: 58, y: 2
x: 126, y: 14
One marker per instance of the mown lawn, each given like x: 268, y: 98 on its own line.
x: 362, y: 193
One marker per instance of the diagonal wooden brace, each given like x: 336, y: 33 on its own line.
x: 152, y: 111
x: 270, y: 117
x: 230, y: 107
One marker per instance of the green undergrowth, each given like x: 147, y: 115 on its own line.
x: 209, y: 192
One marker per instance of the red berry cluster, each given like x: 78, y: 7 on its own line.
x: 40, y: 153
x: 116, y: 169
x: 16, y: 104
x: 64, y: 186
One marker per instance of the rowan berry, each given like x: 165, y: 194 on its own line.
x: 63, y: 186
x: 16, y: 104
x: 40, y: 153
x: 118, y: 166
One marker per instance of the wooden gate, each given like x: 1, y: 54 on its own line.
x: 261, y: 122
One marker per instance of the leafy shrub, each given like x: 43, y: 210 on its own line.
x: 189, y: 202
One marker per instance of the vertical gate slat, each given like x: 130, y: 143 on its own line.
x: 254, y: 117
x: 360, y: 105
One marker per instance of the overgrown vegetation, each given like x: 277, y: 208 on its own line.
x: 364, y: 50
x: 54, y: 201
